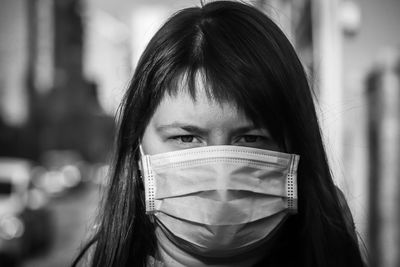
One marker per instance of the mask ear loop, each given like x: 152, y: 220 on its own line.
x: 141, y: 157
x: 141, y: 150
x: 140, y: 168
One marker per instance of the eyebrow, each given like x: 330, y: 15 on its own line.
x: 198, y: 130
x: 184, y: 126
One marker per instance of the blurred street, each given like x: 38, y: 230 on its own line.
x: 72, y: 214
x: 66, y: 64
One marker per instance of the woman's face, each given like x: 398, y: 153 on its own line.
x: 180, y: 122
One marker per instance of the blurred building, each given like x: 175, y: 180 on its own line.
x: 48, y: 103
x: 383, y: 95
x: 13, y: 54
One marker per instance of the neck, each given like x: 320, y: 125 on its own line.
x: 173, y: 256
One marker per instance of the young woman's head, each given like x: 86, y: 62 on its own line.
x: 222, y: 74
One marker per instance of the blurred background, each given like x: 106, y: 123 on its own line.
x: 65, y: 64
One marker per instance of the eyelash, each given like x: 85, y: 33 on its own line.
x: 179, y: 138
x: 254, y: 138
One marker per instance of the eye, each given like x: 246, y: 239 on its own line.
x: 186, y: 139
x: 257, y: 141
x: 250, y: 139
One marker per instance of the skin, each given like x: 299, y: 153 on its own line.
x: 180, y: 122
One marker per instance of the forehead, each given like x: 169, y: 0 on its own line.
x: 202, y: 108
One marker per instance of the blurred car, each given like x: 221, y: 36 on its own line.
x: 62, y: 171
x: 25, y: 222
x: 99, y: 174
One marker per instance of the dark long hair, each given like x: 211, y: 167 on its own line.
x: 247, y: 60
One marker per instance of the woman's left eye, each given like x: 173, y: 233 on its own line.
x: 250, y: 138
x: 186, y: 138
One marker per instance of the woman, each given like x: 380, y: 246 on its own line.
x: 212, y: 127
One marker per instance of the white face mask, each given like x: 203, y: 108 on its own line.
x: 219, y: 201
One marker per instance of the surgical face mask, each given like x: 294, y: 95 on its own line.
x: 219, y: 201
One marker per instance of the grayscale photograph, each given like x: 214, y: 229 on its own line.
x: 195, y: 133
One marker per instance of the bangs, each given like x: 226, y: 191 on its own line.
x: 192, y: 81
x: 220, y: 86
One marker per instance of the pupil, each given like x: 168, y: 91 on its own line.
x: 187, y: 139
x: 250, y: 138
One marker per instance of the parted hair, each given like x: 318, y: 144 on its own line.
x: 245, y: 59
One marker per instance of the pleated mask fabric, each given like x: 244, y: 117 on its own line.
x: 217, y: 201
